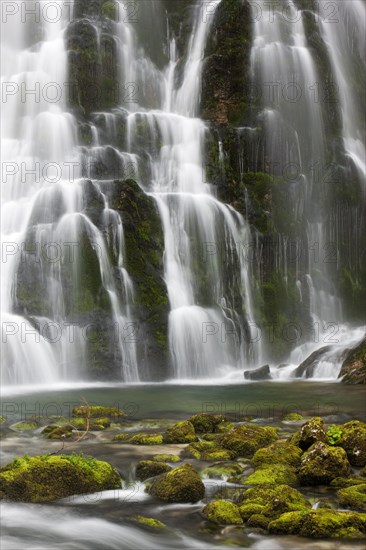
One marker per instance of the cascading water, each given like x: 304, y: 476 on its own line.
x: 195, y: 226
x: 44, y: 201
x: 293, y: 117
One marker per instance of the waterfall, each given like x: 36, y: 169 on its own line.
x: 75, y: 166
x: 293, y: 117
x: 43, y: 217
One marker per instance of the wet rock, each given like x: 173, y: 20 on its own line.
x: 271, y: 502
x: 273, y: 474
x: 263, y: 373
x: 279, y: 452
x: 353, y: 369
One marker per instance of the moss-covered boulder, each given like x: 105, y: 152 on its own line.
x: 292, y: 417
x: 271, y: 501
x: 149, y: 523
x: 53, y: 431
x: 311, y: 432
x: 181, y: 432
x: 222, y: 512
x: 320, y: 524
x: 92, y: 411
x: 222, y: 470
x: 206, y: 423
x: 353, y: 369
x: 146, y: 439
x: 341, y: 482
x: 122, y: 438
x: 151, y: 468
x: 273, y: 474
x: 246, y: 439
x: 166, y: 458
x: 279, y: 452
x: 321, y: 464
x: 47, y: 478
x: 353, y: 441
x: 353, y: 497
x: 24, y: 426
x: 198, y: 448
x: 183, y: 484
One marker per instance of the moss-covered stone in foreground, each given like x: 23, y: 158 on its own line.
x: 48, y: 477
x: 182, y: 484
x: 311, y: 432
x: 271, y: 501
x: 223, y: 512
x: 320, y: 524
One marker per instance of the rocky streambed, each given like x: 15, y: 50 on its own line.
x: 205, y: 481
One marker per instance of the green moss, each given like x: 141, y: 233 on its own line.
x: 151, y: 523
x: 24, y: 426
x: 273, y: 474
x: 271, y: 501
x: 181, y: 432
x: 319, y: 524
x: 292, y: 417
x: 222, y: 470
x: 122, y: 437
x: 280, y: 452
x: 353, y: 497
x: 53, y: 431
x: 182, y: 484
x: 246, y: 439
x: 353, y: 441
x: 46, y: 478
x: 258, y: 521
x: 97, y: 411
x: 150, y: 468
x: 146, y: 439
x: 341, y: 482
x: 321, y: 464
x: 222, y: 512
x: 204, y: 422
x: 167, y: 458
x: 216, y: 454
x: 311, y: 432
x: 2, y: 420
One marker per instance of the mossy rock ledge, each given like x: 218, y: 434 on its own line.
x: 49, y: 477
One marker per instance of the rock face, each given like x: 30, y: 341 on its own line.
x: 321, y: 464
x: 263, y: 373
x: 47, y: 478
x: 182, y: 484
x: 353, y: 369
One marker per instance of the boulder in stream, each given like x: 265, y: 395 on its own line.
x: 263, y: 373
